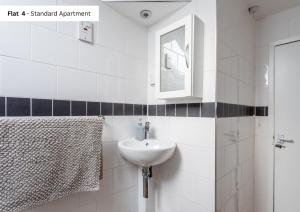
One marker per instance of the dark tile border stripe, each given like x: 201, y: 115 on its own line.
x: 118, y: 109
x: 138, y: 110
x: 11, y: 106
x: 128, y: 109
x: 234, y: 110
x: 18, y: 106
x: 41, y: 107
x: 61, y: 108
x: 161, y: 110
x: 78, y: 108
x: 194, y: 110
x: 181, y: 110
x: 170, y: 110
x: 2, y: 106
x: 93, y: 108
x: 261, y: 111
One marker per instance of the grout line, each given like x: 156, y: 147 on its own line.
x: 5, y: 105
x: 70, y: 107
x: 52, y: 102
x: 86, y: 108
x: 30, y: 106
x: 187, y: 110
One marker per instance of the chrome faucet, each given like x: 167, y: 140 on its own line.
x: 147, y: 130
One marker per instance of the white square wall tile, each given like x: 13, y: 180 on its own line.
x: 110, y: 31
x: 105, y: 204
x: 114, y: 63
x: 246, y: 127
x: 294, y: 24
x: 200, y: 132
x: 227, y: 131
x: 190, y: 206
x: 210, y: 55
x: 136, y: 42
x: 23, y: 78
x: 53, y: 48
x: 221, y: 93
x: 230, y: 157
x: 167, y: 202
x: 246, y: 94
x: 68, y: 28
x: 92, y: 58
x: 76, y: 85
x: 198, y: 190
x: 124, y: 127
x: 125, y: 201
x: 112, y: 89
x: 160, y: 127
x: 87, y: 208
x: 111, y: 156
x: 15, y: 39
x: 136, y: 91
x: 209, y: 86
x: 231, y: 90
x: 70, y: 203
x: 47, y: 25
x: 271, y: 29
x: 108, y: 129
x: 124, y: 178
x: 136, y: 73
x: 205, y: 158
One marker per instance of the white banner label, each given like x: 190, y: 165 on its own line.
x: 49, y: 13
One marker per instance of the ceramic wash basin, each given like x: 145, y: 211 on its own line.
x: 146, y: 153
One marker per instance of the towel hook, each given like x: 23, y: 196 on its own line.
x: 101, y: 116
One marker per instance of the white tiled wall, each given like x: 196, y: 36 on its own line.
x: 235, y: 85
x: 235, y: 164
x: 49, y: 56
x: 277, y: 27
x: 187, y: 181
x: 46, y: 60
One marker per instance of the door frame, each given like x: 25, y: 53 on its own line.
x: 271, y: 80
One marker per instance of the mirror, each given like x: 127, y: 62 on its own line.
x: 172, y: 62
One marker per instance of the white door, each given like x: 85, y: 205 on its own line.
x: 287, y: 128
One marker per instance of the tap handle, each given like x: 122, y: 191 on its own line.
x: 147, y: 124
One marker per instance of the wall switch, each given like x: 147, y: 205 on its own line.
x: 86, y: 31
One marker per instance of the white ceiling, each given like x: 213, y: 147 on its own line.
x: 269, y: 7
x: 160, y: 9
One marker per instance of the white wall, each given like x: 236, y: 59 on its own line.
x: 187, y: 181
x: 235, y: 85
x: 46, y: 60
x: 50, y: 56
x: 273, y: 28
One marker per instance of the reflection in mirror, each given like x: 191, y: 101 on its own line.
x: 172, y: 60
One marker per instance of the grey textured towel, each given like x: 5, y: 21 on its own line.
x: 43, y: 159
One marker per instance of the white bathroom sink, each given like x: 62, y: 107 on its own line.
x: 146, y: 153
